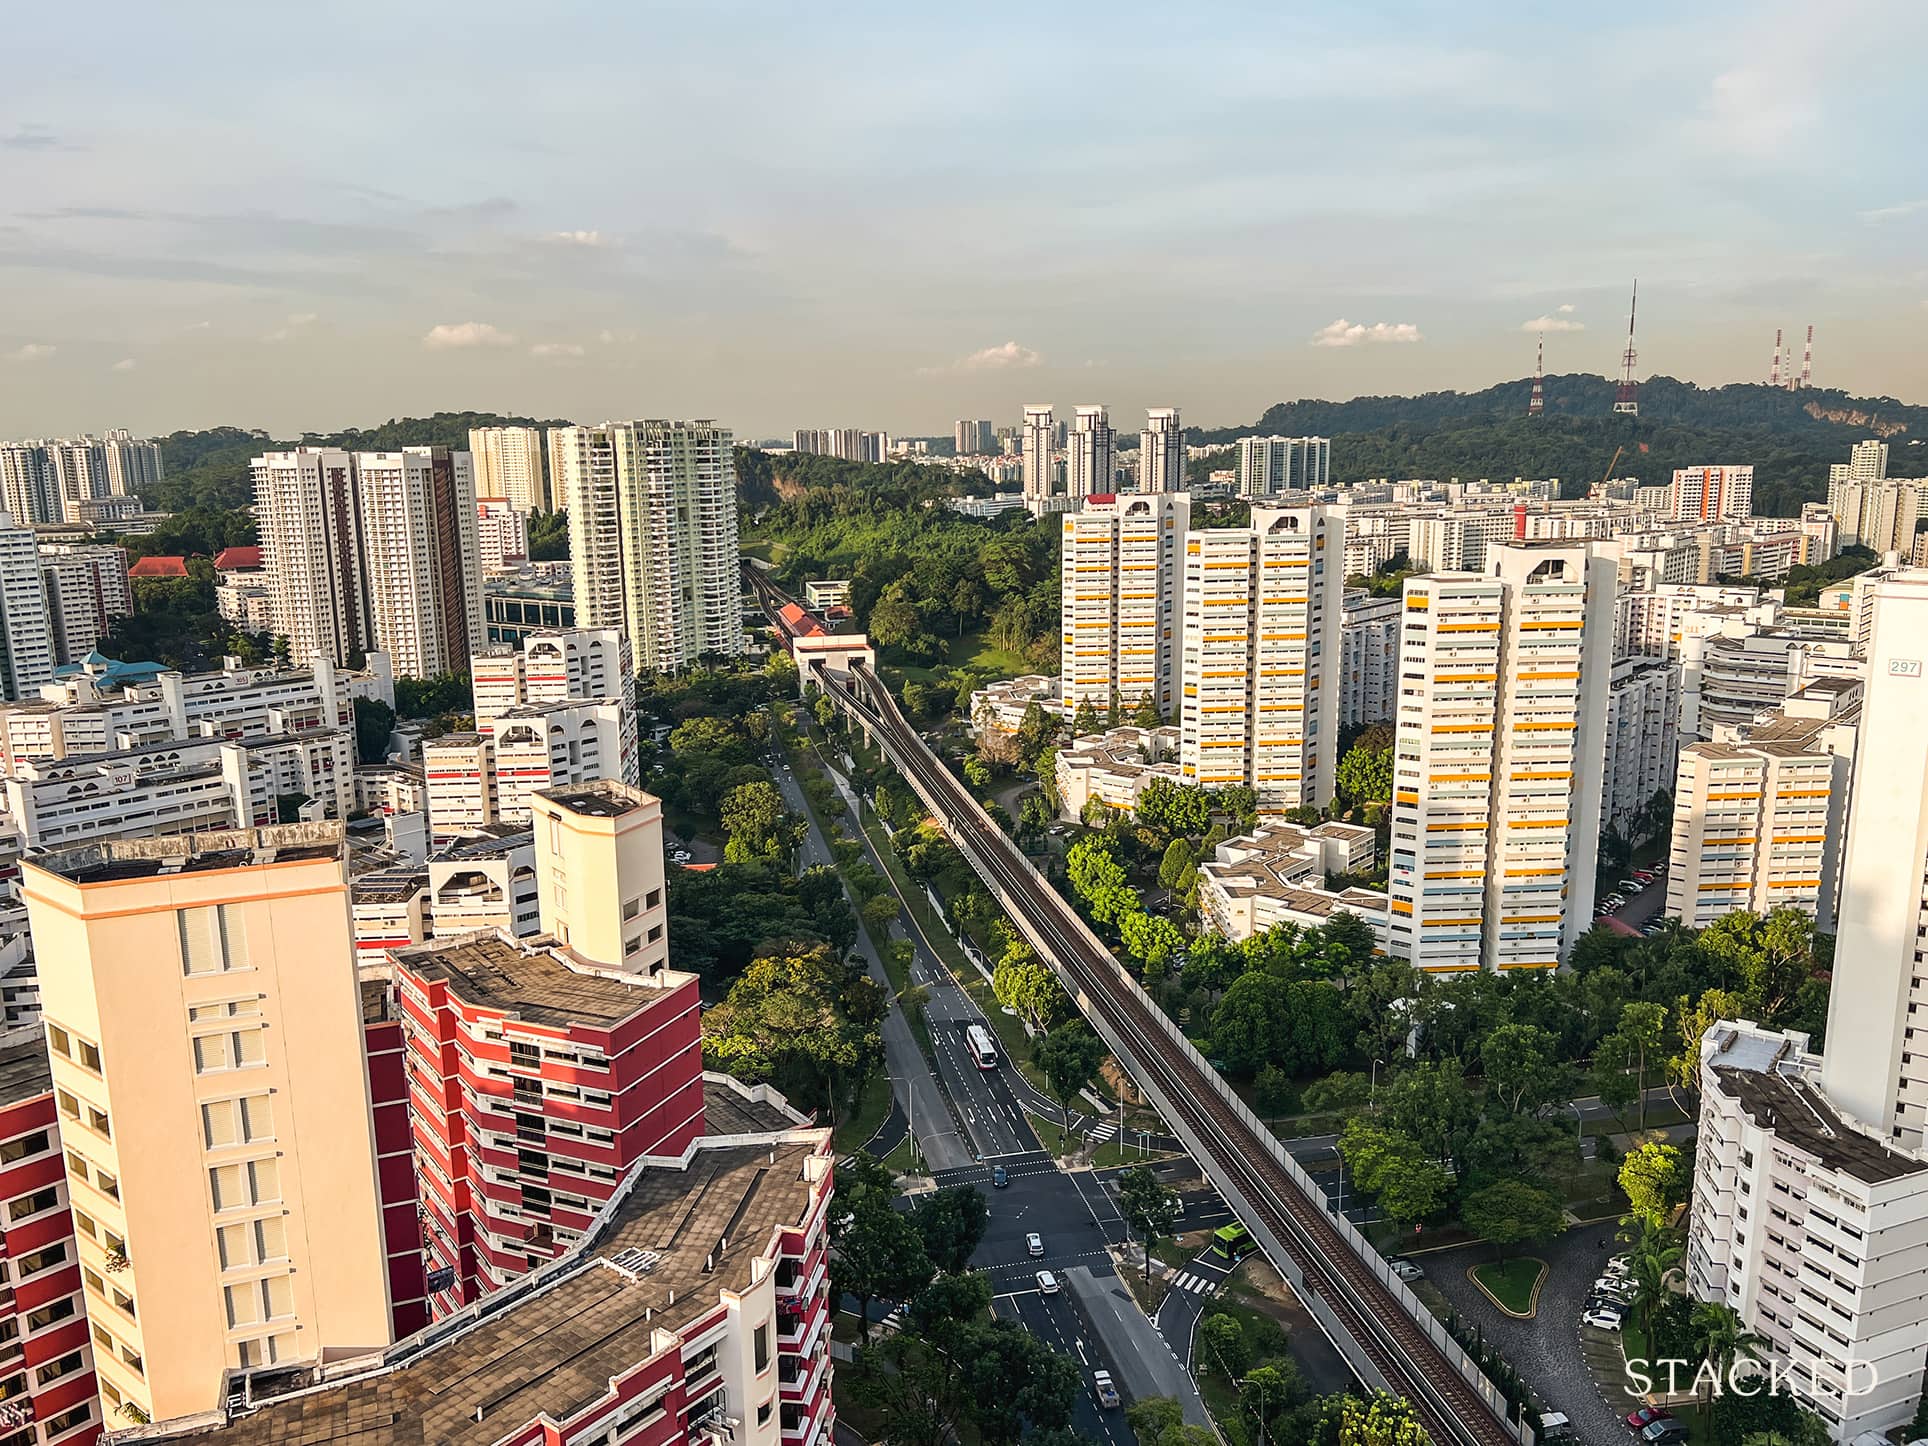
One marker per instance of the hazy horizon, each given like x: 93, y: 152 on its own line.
x: 315, y: 219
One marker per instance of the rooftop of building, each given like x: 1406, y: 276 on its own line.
x: 388, y: 886
x: 598, y: 798
x: 159, y: 567
x: 731, y: 1107
x: 1123, y: 749
x: 1770, y: 1075
x: 24, y: 1071
x: 551, y: 1344
x: 237, y: 559
x: 376, y: 999
x: 137, y: 858
x: 532, y: 981
x: 490, y: 841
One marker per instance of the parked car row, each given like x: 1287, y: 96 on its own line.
x: 1656, y: 1425
x: 1610, y: 1296
x: 1624, y: 891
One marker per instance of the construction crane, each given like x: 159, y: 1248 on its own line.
x: 1600, y: 487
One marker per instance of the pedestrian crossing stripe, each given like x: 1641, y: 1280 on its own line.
x: 1197, y: 1284
x: 1103, y: 1132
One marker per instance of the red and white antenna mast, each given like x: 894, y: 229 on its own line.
x: 1626, y: 400
x: 1774, y: 371
x: 1807, y: 358
x: 1536, y: 404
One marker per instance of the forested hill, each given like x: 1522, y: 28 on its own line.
x: 1818, y: 412
x: 1790, y: 438
x: 210, y: 468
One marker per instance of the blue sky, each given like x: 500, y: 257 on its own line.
x: 892, y: 215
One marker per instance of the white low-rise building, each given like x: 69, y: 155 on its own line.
x: 1813, y: 1232
x: 1113, y: 768
x: 1278, y: 875
x: 1000, y: 707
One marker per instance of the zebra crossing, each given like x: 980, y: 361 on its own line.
x: 1101, y: 1133
x: 1196, y: 1284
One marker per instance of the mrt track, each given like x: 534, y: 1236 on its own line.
x: 1376, y: 1320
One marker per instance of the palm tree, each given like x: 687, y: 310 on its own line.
x: 1721, y: 1342
x: 1654, y: 1254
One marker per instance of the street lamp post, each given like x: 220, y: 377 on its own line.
x: 1372, y: 1095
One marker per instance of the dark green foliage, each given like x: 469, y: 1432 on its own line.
x: 719, y: 919
x: 548, y: 536
x: 374, y: 721
x: 435, y: 697
x: 175, y: 621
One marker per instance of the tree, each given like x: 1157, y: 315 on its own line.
x: 1365, y: 775
x: 878, y: 914
x: 1692, y: 1021
x: 1160, y: 1421
x: 1522, y: 1068
x: 1655, y: 1181
x: 951, y: 1223
x: 1250, y: 1022
x: 1149, y: 1206
x: 753, y: 817
x: 1174, y: 808
x: 1511, y: 1212
x: 1772, y: 956
x: 1023, y: 982
x: 1415, y: 1192
x: 1221, y: 1340
x: 1177, y: 862
x: 977, y: 771
x: 1019, y: 1384
x: 956, y: 1298
x: 1263, y: 1395
x: 1069, y: 1058
x: 782, y: 1022
x: 1721, y: 1342
x: 1085, y: 720
x: 880, y: 1255
x: 1147, y: 715
x: 1151, y: 939
x: 1339, y: 1092
x: 1384, y: 1420
x: 374, y: 722
x: 1654, y: 1254
x: 1632, y: 1050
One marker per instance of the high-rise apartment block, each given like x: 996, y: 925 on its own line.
x: 87, y: 589
x: 1090, y: 454
x: 975, y: 439
x: 1496, y: 774
x: 1260, y: 692
x: 549, y: 666
x: 1161, y: 452
x: 508, y: 466
x: 133, y: 465
x: 77, y: 467
x: 47, y: 1386
x: 1867, y: 462
x: 205, y: 1029
x: 1369, y: 629
x: 307, y: 513
x: 1877, y: 512
x: 501, y: 534
x: 1712, y: 494
x: 1119, y: 599
x: 653, y: 535
x: 1268, y: 466
x: 1040, y: 451
x: 26, y: 633
x: 1760, y: 814
x: 1643, y: 720
x: 418, y: 526
x: 26, y: 484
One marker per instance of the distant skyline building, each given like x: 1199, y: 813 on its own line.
x: 1090, y: 454
x: 1161, y: 452
x: 653, y: 536
x: 1711, y: 494
x: 975, y: 439
x: 78, y: 469
x: 1040, y: 451
x: 1268, y: 466
x: 26, y: 484
x: 26, y: 632
x: 508, y: 464
x: 133, y: 464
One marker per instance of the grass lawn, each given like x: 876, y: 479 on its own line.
x: 1514, y: 1283
x: 861, y: 1121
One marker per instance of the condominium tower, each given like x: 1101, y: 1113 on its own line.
x: 1268, y: 466
x: 508, y: 464
x: 653, y: 535
x: 1040, y: 448
x: 1090, y: 454
x: 133, y: 464
x: 424, y: 572
x: 205, y: 1031
x: 1498, y: 758
x: 1119, y: 600
x: 26, y: 632
x: 1161, y: 452
x: 1261, y: 646
x: 305, y: 509
x: 1711, y: 494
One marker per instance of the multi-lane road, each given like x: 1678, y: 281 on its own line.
x: 1364, y: 1312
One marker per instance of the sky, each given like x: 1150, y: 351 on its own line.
x: 887, y: 215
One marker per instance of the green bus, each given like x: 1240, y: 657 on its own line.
x: 1233, y: 1242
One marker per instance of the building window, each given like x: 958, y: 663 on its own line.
x: 255, y: 1182
x: 44, y: 1259
x: 763, y: 1337
x: 26, y: 1205
x: 214, y: 939
x: 52, y: 1311
x: 22, y: 1146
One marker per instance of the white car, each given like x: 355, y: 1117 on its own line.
x: 1034, y: 1243
x: 1406, y: 1269
x: 1103, y: 1388
x: 1616, y: 1269
x: 1047, y: 1283
x: 1613, y: 1285
x: 1603, y: 1317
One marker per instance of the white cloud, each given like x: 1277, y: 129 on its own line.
x: 296, y: 321
x: 125, y: 364
x: 451, y: 335
x: 303, y: 318
x: 1893, y: 213
x: 1553, y: 322
x: 554, y: 350
x: 999, y: 358
x: 1565, y: 306
x: 576, y: 238
x: 1354, y: 333
x: 198, y: 325
x: 33, y: 351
